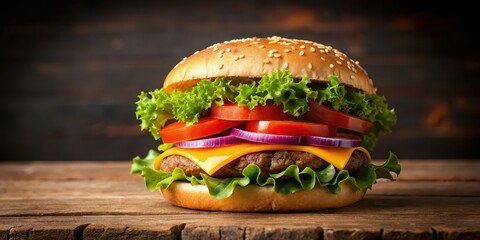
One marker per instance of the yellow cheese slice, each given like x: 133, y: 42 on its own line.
x: 212, y: 159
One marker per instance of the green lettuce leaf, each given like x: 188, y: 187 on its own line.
x: 156, y: 107
x: 366, y: 106
x: 139, y: 163
x: 189, y: 106
x: 156, y: 179
x: 278, y: 88
x: 288, y: 181
x: 153, y: 110
x: 165, y: 146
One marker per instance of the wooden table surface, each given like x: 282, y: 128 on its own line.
x: 433, y: 199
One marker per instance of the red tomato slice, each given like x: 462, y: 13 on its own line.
x: 323, y: 114
x: 292, y: 128
x: 178, y: 132
x: 232, y: 111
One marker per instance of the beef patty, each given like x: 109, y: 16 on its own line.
x: 267, y: 161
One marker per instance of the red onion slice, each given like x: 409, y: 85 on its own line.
x: 209, y: 142
x: 266, y: 138
x: 333, y: 142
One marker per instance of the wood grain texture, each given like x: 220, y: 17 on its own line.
x: 433, y: 199
x: 245, y: 226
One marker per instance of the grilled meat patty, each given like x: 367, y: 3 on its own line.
x: 268, y: 162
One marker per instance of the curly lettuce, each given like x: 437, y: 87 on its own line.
x: 370, y: 107
x: 155, y: 108
x: 139, y: 163
x: 288, y: 181
x: 278, y: 88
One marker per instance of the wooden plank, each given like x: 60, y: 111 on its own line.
x: 20, y: 232
x: 438, y: 170
x: 384, y: 205
x: 446, y: 232
x: 68, y: 171
x: 4, y: 232
x: 407, y: 233
x: 427, y: 188
x: 352, y: 233
x: 135, y: 189
x: 254, y: 226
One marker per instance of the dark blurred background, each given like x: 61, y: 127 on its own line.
x: 70, y: 71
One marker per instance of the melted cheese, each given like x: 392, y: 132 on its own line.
x: 212, y: 159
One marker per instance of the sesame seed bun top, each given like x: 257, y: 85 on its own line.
x: 250, y: 58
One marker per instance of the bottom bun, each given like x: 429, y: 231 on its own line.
x: 253, y: 198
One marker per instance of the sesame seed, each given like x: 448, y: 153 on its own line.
x: 339, y: 62
x: 285, y: 65
x: 215, y: 49
x: 357, y: 62
x: 222, y: 51
x: 255, y: 43
x: 353, y: 76
x: 312, y: 49
x: 302, y: 47
x: 331, y: 66
x: 235, y: 58
x: 322, y: 51
x: 261, y: 46
x: 270, y: 55
x: 228, y: 50
x: 242, y: 56
x: 277, y: 55
x: 293, y: 47
x: 287, y: 50
x: 341, y: 58
x: 220, y: 55
x: 266, y: 61
x: 220, y: 67
x: 273, y: 41
x: 326, y: 50
x: 322, y: 58
x: 302, y: 53
x: 310, y: 66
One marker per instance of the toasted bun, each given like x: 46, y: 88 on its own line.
x: 250, y: 58
x: 261, y: 199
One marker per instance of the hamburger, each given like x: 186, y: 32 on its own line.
x: 264, y: 124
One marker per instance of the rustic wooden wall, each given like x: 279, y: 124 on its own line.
x: 70, y: 71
